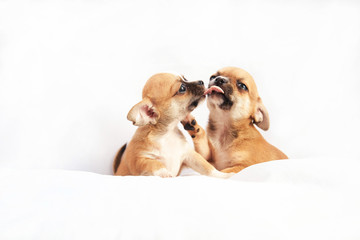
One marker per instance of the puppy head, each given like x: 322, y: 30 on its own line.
x: 166, y: 98
x: 233, y: 90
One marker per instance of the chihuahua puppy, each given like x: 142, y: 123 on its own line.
x: 158, y: 147
x: 232, y: 142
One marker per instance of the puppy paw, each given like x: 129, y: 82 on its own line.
x: 191, y: 126
x: 163, y: 172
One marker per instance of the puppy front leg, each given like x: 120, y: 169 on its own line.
x: 199, y: 164
x: 199, y: 137
x: 147, y: 166
x: 234, y: 169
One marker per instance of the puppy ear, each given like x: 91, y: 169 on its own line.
x: 261, y: 116
x: 143, y: 113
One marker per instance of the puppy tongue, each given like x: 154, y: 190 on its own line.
x: 213, y: 89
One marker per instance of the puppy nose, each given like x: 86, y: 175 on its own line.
x: 200, y: 83
x: 220, y: 80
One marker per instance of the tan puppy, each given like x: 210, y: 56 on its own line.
x: 232, y: 142
x: 158, y: 146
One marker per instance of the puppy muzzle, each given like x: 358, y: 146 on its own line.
x: 221, y: 87
x: 197, y: 89
x: 219, y: 80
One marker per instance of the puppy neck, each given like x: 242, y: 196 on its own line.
x: 162, y: 127
x: 226, y: 129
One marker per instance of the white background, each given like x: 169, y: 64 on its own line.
x: 71, y: 70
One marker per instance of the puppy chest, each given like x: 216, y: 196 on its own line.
x: 172, y: 151
x: 220, y: 158
x: 220, y: 154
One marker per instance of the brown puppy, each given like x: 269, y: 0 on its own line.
x: 232, y: 142
x: 158, y: 146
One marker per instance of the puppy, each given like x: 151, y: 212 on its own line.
x: 158, y: 147
x: 232, y: 142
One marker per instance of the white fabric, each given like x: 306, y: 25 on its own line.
x: 287, y: 199
x: 71, y: 70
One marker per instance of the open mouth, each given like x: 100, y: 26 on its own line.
x: 195, y: 103
x: 213, y: 89
x: 217, y: 91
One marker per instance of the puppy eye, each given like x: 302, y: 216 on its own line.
x: 242, y: 86
x: 182, y: 88
x: 212, y: 77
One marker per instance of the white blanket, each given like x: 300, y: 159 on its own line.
x: 288, y: 199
